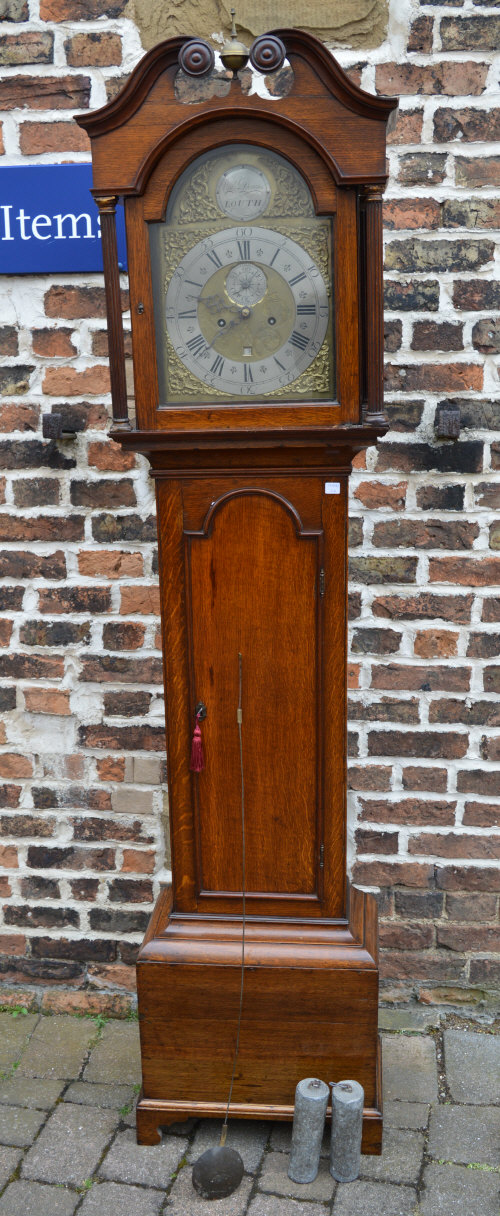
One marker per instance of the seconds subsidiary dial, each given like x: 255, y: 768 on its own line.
x: 247, y: 310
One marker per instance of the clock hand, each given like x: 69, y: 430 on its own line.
x: 244, y: 315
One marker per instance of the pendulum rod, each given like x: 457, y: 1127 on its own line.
x: 239, y: 719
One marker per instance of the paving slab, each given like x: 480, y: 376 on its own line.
x: 406, y: 1114
x: 184, y: 1200
x: 408, y: 1019
x: 33, y: 1199
x: 274, y: 1205
x: 9, y: 1160
x: 14, y: 1034
x: 375, y: 1199
x: 473, y: 1066
x: 116, y: 1060
x: 274, y: 1178
x: 115, y: 1200
x: 30, y: 1091
x: 57, y: 1047
x: 70, y: 1145
x: 465, y: 1134
x: 454, y: 1190
x: 113, y: 1096
x: 409, y: 1068
x: 401, y: 1158
x: 19, y: 1125
x: 249, y: 1138
x: 153, y: 1166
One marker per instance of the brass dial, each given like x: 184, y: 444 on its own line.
x: 247, y: 310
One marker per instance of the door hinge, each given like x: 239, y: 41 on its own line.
x: 321, y: 856
x: 322, y: 582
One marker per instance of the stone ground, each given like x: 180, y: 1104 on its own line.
x: 67, y: 1131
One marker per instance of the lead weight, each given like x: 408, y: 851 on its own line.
x: 311, y: 1100
x: 348, y: 1099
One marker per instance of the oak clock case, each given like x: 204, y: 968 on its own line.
x: 242, y: 283
x: 254, y: 233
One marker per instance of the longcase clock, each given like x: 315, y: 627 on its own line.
x: 254, y: 245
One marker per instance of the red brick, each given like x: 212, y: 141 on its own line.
x: 397, y: 964
x: 469, y: 124
x: 38, y: 137
x: 408, y: 128
x: 5, y: 632
x: 93, y: 50
x: 425, y: 534
x: 372, y: 840
x: 437, y: 335
x: 410, y: 213
x: 474, y: 171
x: 453, y: 844
x: 483, y: 572
x: 109, y: 456
x: 14, y: 417
x: 130, y: 738
x: 481, y: 815
x: 387, y: 709
x: 447, y: 744
x: 478, y: 908
x: 434, y: 780
x: 100, y: 346
x: 9, y: 340
x: 68, y: 382
x: 375, y: 494
x: 112, y: 1005
x: 434, y: 377
x: 138, y: 861
x: 35, y: 46
x: 75, y: 10
x: 47, y: 701
x: 474, y: 294
x: 113, y: 975
x: 454, y: 79
x: 485, y: 782
x: 426, y: 606
x: 435, y: 643
x: 41, y: 527
x: 461, y: 937
x: 140, y: 600
x: 75, y: 599
x: 45, y: 92
x: 421, y: 33
x: 389, y: 874
x: 13, y: 943
x: 369, y: 777
x: 468, y: 878
x: 422, y: 168
x: 8, y: 857
x: 54, y: 343
x: 353, y: 670
x: 75, y: 303
x: 477, y: 33
x: 412, y: 678
x: 12, y: 765
x: 409, y: 811
x: 110, y: 563
x: 406, y: 937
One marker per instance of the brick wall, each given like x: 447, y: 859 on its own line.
x: 81, y: 737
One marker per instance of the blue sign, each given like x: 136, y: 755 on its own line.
x: 49, y: 221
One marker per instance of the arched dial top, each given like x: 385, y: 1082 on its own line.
x: 242, y: 276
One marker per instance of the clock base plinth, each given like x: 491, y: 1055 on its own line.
x: 310, y: 1008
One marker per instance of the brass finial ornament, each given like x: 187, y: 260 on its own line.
x: 234, y: 54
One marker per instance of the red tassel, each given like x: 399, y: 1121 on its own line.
x: 197, y: 762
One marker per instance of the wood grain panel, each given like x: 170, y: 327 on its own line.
x: 240, y: 578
